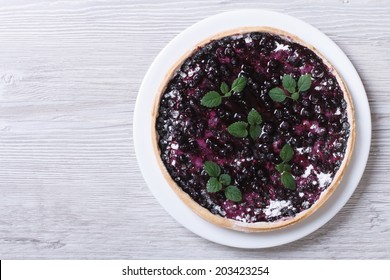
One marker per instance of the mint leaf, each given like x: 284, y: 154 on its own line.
x: 254, y: 131
x: 304, y: 82
x: 288, y: 181
x: 238, y: 129
x: 281, y: 167
x: 287, y: 153
x: 211, y: 99
x: 233, y: 193
x: 295, y: 96
x: 213, y: 185
x: 277, y: 94
x: 212, y: 169
x: 224, y: 88
x: 239, y: 84
x: 225, y: 179
x: 254, y: 117
x: 289, y: 83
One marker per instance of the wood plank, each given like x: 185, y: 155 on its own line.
x: 69, y: 182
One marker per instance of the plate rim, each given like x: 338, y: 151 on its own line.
x: 274, y: 238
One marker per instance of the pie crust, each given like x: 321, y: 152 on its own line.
x: 261, y: 225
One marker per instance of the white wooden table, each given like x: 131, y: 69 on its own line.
x: 70, y: 187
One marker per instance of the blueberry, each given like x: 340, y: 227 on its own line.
x: 195, y: 80
x: 305, y: 113
x: 322, y: 132
x: 229, y: 147
x: 286, y: 112
x: 306, y: 103
x: 295, y: 169
x: 273, y: 65
x: 343, y: 104
x: 267, y: 85
x: 200, y: 129
x: 270, y: 156
x: 340, y: 145
x: 212, y: 62
x: 159, y: 126
x: 315, y: 99
x: 192, y: 143
x: 212, y: 144
x: 297, y: 142
x: 261, y: 157
x: 246, y: 71
x: 265, y: 138
x: 256, y: 36
x: 284, y: 125
x: 317, y: 72
x: 267, y: 127
x: 163, y: 145
x: 260, y: 173
x: 240, y: 178
x: 263, y: 147
x: 346, y: 125
x: 186, y: 65
x: 253, y: 170
x: 269, y: 44
x: 225, y: 71
x: 229, y: 52
x: 336, y: 126
x: 331, y: 84
x: 295, y: 75
x: 265, y: 98
x: 211, y: 75
x: 239, y: 44
x: 313, y: 183
x: 275, y: 80
x: 160, y: 120
x: 294, y: 60
x: 223, y: 152
x: 296, y: 107
x: 238, y: 117
x: 311, y: 136
x: 268, y: 105
x: 278, y: 113
x: 295, y: 119
x: 234, y: 61
x: 321, y: 119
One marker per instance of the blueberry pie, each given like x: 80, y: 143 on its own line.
x: 253, y: 129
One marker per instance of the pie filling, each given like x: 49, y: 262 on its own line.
x: 316, y: 126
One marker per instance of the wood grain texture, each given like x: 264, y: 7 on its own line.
x: 70, y: 187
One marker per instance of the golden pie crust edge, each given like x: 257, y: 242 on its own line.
x: 258, y: 226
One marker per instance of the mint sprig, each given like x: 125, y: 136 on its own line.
x: 240, y: 129
x: 286, y: 154
x: 278, y: 94
x: 213, y: 98
x: 218, y: 182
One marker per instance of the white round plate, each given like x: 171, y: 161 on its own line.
x: 143, y: 127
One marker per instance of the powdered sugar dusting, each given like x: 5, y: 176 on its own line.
x: 275, y: 207
x: 308, y: 171
x: 324, y: 179
x: 281, y: 47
